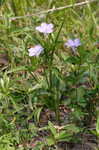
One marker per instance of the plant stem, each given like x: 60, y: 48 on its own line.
x: 57, y: 115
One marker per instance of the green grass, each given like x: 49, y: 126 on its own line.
x: 26, y: 82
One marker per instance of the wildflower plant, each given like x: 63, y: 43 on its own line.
x: 47, y: 48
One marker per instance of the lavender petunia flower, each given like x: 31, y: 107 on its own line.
x: 73, y: 43
x: 45, y: 28
x: 36, y: 50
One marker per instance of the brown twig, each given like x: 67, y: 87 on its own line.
x: 51, y: 10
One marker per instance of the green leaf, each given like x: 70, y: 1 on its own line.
x: 63, y: 135
x: 37, y: 114
x: 50, y: 141
x: 52, y: 128
x: 21, y: 68
x: 97, y: 126
x: 73, y: 60
x: 71, y: 128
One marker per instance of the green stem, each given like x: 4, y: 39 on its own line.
x: 57, y: 111
x: 57, y: 115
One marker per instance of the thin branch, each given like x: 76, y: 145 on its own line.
x: 52, y: 10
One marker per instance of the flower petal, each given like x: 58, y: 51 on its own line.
x: 45, y: 28
x: 77, y: 42
x: 36, y: 50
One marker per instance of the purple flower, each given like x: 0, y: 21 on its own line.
x: 45, y: 28
x: 36, y: 50
x: 73, y: 43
